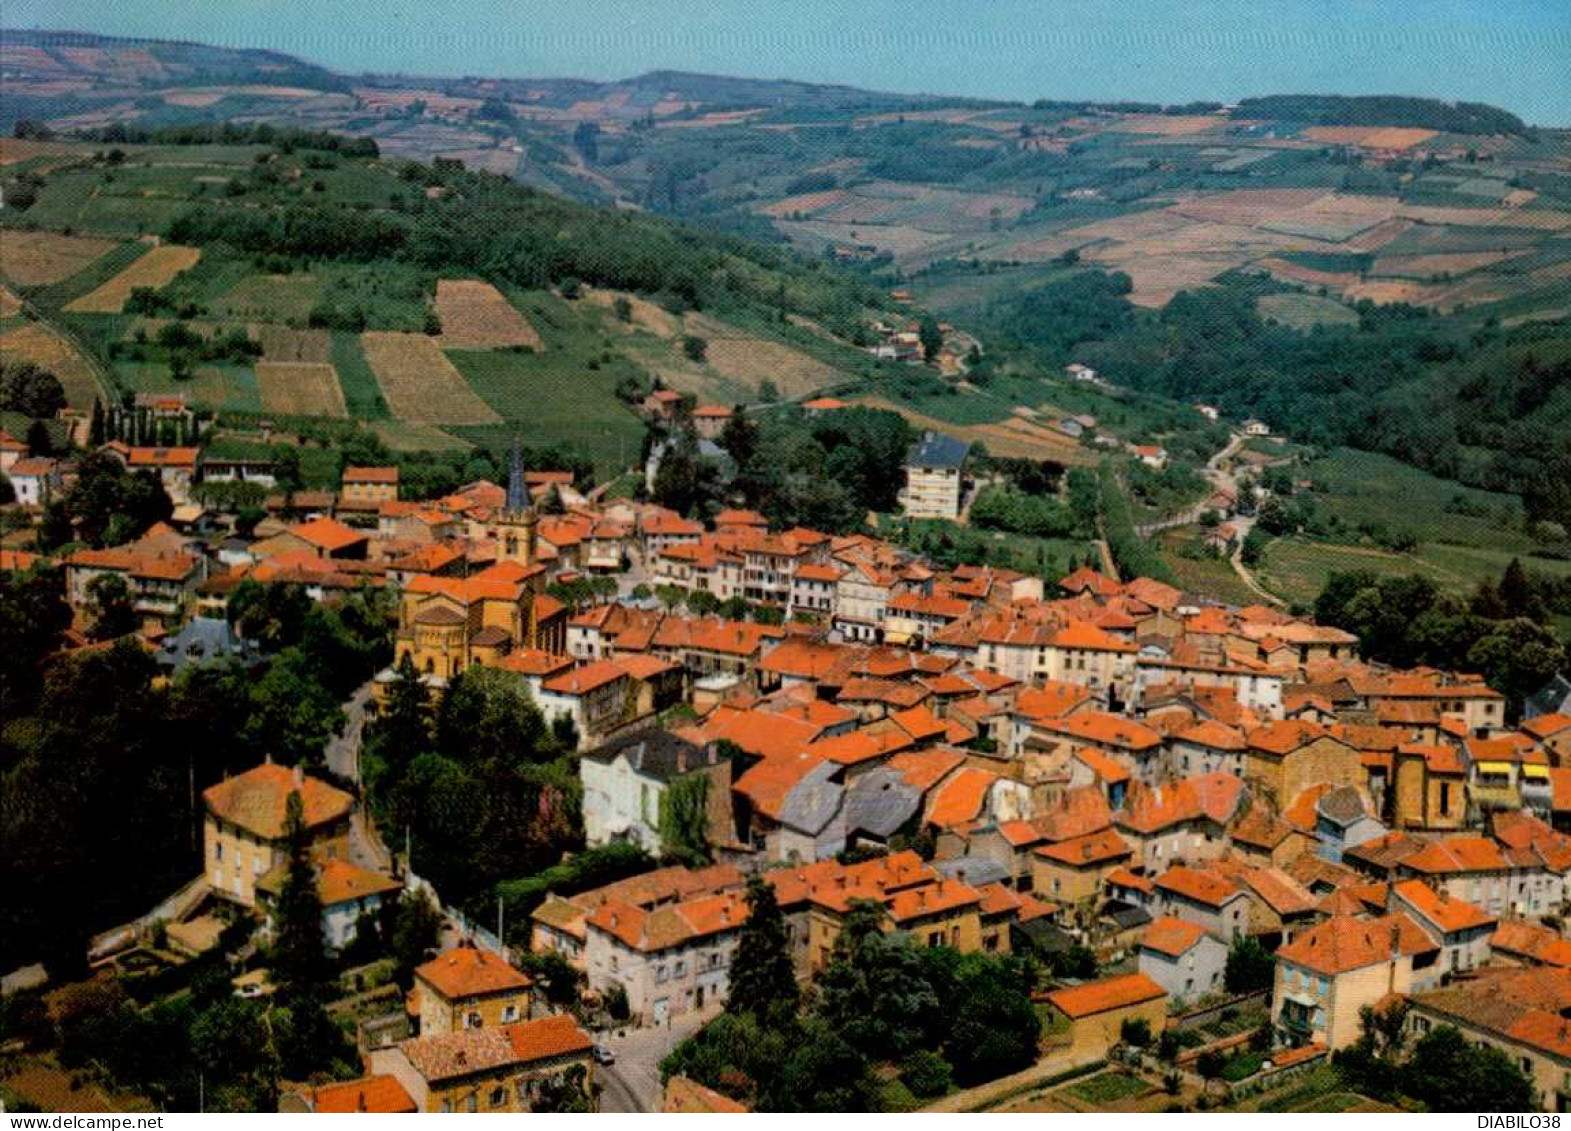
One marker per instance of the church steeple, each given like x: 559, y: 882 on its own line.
x: 516, y: 523
x: 517, y: 488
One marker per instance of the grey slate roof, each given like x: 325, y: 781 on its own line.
x: 207, y: 640
x: 814, y: 801
x: 880, y: 802
x: 653, y: 753
x: 978, y: 871
x: 935, y: 449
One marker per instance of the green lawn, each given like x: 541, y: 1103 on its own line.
x: 552, y: 399
x: 564, y: 394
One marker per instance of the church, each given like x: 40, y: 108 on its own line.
x: 447, y: 624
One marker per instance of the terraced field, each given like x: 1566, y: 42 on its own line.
x: 156, y: 269
x: 296, y: 388
x: 419, y: 383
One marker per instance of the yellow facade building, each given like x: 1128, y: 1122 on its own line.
x: 469, y: 988
x: 245, y: 832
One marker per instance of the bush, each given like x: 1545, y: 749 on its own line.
x: 927, y: 1074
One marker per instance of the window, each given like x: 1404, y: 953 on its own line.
x: 681, y: 970
x: 471, y: 1102
x: 498, y: 1097
x: 509, y: 1014
x: 473, y: 1020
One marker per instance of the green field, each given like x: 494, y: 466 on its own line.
x: 362, y: 395
x: 1205, y: 575
x: 1360, y: 487
x: 212, y: 386
x: 1304, y: 311
x: 564, y: 394
x: 1109, y: 1087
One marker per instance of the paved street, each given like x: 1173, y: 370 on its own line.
x: 633, y: 1082
x: 343, y: 758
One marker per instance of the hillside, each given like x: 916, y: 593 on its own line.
x: 1245, y: 251
x: 442, y: 307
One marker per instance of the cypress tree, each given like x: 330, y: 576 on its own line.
x: 763, y: 982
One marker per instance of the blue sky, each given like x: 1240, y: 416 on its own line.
x: 1512, y: 53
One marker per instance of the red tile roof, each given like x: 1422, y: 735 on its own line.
x: 1439, y: 908
x: 1207, y: 888
x: 1108, y: 994
x: 370, y: 1094
x: 1171, y: 936
x: 1341, y: 944
x: 258, y: 800
x: 468, y: 971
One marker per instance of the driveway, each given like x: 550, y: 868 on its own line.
x: 633, y: 1082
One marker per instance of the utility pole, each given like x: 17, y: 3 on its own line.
x: 500, y: 937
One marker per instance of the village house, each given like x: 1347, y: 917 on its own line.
x: 935, y: 471
x: 369, y: 1095
x: 176, y: 467
x: 1500, y: 881
x: 1521, y: 1012
x: 346, y: 892
x: 627, y: 782
x: 1097, y: 1011
x: 1461, y: 930
x: 244, y: 835
x: 1072, y: 871
x: 1285, y: 758
x: 709, y: 420
x: 1205, y: 898
x: 468, y: 988
x: 35, y: 480
x: 159, y: 569
x: 1329, y: 972
x: 1183, y: 958
x: 494, y: 1070
x: 368, y: 486
x: 671, y: 959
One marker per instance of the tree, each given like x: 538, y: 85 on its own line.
x: 739, y: 437
x: 416, y: 934
x: 33, y: 620
x: 310, y: 1041
x: 695, y: 347
x: 763, y: 981
x: 1448, y: 1073
x: 1135, y: 1032
x: 114, y: 608
x: 401, y: 731
x: 29, y: 389
x: 994, y: 1030
x: 931, y: 336
x: 1517, y: 658
x: 1250, y: 967
x: 299, y: 963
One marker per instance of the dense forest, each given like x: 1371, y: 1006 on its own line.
x: 1383, y: 110
x: 1486, y: 405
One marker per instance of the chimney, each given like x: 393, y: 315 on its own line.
x: 360, y: 1100
x: 299, y: 775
